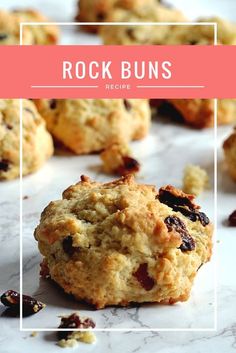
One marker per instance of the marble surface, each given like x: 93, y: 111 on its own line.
x: 163, y: 155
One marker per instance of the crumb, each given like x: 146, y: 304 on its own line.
x: 117, y: 159
x: 195, y: 180
x: 25, y: 197
x: 71, y: 338
x: 34, y: 334
x: 75, y: 337
x: 67, y: 343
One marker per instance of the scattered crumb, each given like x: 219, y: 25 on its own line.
x: 34, y: 334
x: 195, y: 180
x: 67, y: 343
x: 25, y: 197
x: 71, y: 338
x: 117, y: 159
x: 77, y: 336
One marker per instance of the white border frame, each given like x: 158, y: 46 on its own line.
x: 214, y: 329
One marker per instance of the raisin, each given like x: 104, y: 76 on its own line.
x: 193, y: 215
x: 3, y: 36
x: 232, y: 219
x: 170, y: 199
x: 173, y: 222
x: 143, y: 277
x: 10, y: 298
x: 67, y: 245
x: 74, y: 322
x: 4, y: 165
x: 193, y: 42
x: 184, y: 205
x: 202, y: 217
x: 31, y: 306
x: 101, y: 16
x: 127, y: 105
x: 130, y: 165
x: 9, y: 127
x: 53, y: 103
x: 131, y: 33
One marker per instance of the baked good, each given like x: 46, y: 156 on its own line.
x: 99, y: 10
x: 203, y: 35
x: 32, y: 35
x: 230, y: 154
x: 130, y: 34
x: 90, y: 125
x: 10, y: 30
x: 199, y: 113
x: 195, y: 180
x: 121, y: 242
x: 149, y: 34
x: 42, y: 35
x: 165, y: 35
x: 117, y: 159
x: 37, y: 142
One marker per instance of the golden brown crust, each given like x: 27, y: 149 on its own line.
x: 32, y: 35
x: 90, y: 125
x: 199, y: 113
x: 99, y: 10
x: 143, y: 34
x: 119, y: 242
x: 37, y: 142
x: 42, y: 35
x: 165, y: 35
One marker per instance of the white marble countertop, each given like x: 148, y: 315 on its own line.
x: 163, y: 155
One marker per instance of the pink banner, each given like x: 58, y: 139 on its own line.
x: 118, y: 71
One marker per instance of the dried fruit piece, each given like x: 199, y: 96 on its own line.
x: 175, y: 223
x: 143, y: 277
x: 127, y: 105
x: 182, y: 203
x: 131, y: 33
x: 130, y: 166
x: 67, y: 245
x: 193, y: 215
x: 53, y: 103
x: 3, y: 36
x: 4, y: 165
x: 100, y: 16
x: 73, y: 321
x: 31, y: 306
x: 170, y: 197
x: 117, y: 160
x: 232, y: 219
